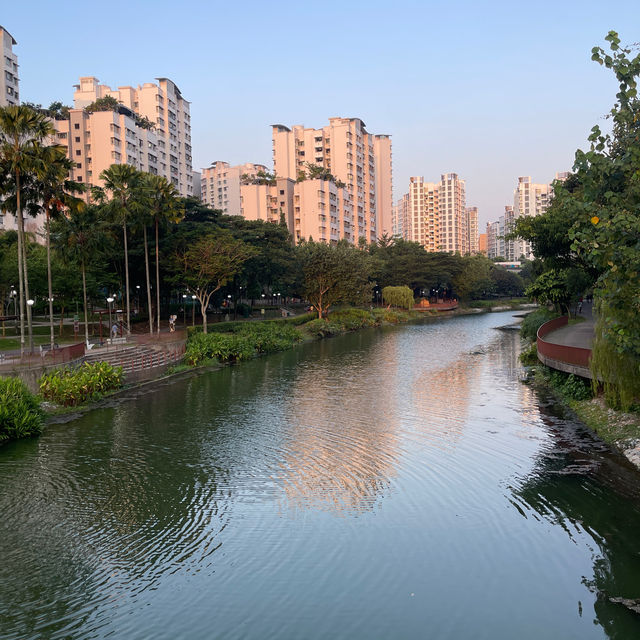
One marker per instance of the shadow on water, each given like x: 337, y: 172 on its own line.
x: 581, y: 485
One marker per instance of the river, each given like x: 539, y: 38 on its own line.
x: 393, y: 483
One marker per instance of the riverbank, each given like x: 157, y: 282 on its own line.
x: 619, y: 429
x: 241, y: 340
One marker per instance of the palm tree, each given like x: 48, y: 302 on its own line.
x: 165, y: 207
x: 55, y: 192
x: 122, y: 186
x: 22, y: 131
x: 78, y: 236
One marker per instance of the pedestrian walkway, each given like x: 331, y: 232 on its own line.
x: 576, y: 335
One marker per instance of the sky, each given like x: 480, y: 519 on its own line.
x: 489, y: 90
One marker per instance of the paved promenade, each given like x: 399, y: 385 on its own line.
x: 576, y: 335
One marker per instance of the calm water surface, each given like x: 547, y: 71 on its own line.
x: 395, y: 483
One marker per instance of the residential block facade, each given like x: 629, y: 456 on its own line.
x: 95, y: 141
x: 9, y: 80
x: 435, y: 215
x: 162, y: 103
x: 220, y: 185
x: 362, y: 161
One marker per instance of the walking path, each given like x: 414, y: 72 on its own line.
x: 576, y: 335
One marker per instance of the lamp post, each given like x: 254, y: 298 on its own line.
x: 31, y: 303
x: 137, y: 298
x: 184, y: 309
x: 109, y: 301
x: 193, y: 310
x: 14, y: 296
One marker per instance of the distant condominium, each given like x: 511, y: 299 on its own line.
x: 151, y: 131
x: 9, y: 88
x: 435, y: 215
x: 529, y: 199
x: 359, y: 160
x: 220, y: 184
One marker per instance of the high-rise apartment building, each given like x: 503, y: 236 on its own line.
x: 492, y: 239
x: 220, y: 185
x: 163, y: 105
x: 358, y: 159
x: 400, y: 217
x: 436, y: 215
x: 383, y: 183
x: 482, y: 244
x: 472, y: 230
x: 453, y: 219
x: 9, y: 81
x: 95, y: 141
x: 423, y: 221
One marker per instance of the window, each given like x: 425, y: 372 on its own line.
x: 78, y: 152
x: 77, y: 138
x: 76, y: 125
x: 281, y: 192
x: 78, y: 165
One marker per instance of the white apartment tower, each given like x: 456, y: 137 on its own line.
x: 9, y: 88
x: 162, y: 103
x: 472, y: 229
x: 453, y: 218
x: 423, y: 222
x: 400, y: 217
x: 220, y: 185
x: 357, y: 158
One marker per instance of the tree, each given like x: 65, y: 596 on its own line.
x: 398, y: 297
x: 108, y: 103
x: 206, y: 266
x: 55, y: 190
x: 22, y: 131
x: 333, y: 274
x: 164, y: 207
x: 123, y: 201
x: 78, y: 237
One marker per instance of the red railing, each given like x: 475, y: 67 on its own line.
x: 578, y: 356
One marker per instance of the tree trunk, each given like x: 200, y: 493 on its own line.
x: 20, y: 269
x: 203, y: 310
x: 49, y: 283
x: 84, y: 296
x: 146, y: 266
x: 26, y: 282
x: 157, y: 278
x: 126, y: 277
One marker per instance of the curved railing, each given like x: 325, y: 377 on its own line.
x: 561, y: 356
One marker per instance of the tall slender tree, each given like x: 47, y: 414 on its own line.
x: 78, y: 236
x: 54, y: 190
x: 22, y: 130
x: 165, y: 207
x: 123, y: 201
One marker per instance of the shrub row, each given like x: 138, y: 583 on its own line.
x: 20, y: 413
x: 532, y: 322
x: 247, y: 340
x: 71, y: 387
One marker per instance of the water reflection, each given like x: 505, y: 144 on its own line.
x: 593, y: 494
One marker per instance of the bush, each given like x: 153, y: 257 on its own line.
x: 401, y: 297
x: 529, y: 356
x: 323, y: 328
x: 571, y: 386
x: 20, y: 413
x: 353, y: 319
x: 533, y: 321
x: 246, y: 340
x: 71, y: 387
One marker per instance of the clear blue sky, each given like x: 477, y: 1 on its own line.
x: 491, y: 90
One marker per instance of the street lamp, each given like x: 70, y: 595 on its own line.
x: 137, y: 298
x: 110, y: 301
x: 184, y: 309
x: 31, y: 303
x: 193, y: 310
